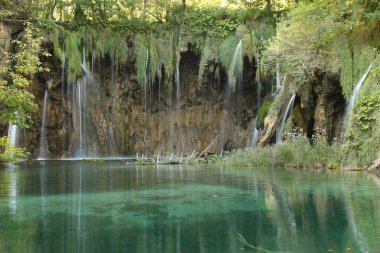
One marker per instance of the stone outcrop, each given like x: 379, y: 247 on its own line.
x: 119, y: 119
x: 324, y: 110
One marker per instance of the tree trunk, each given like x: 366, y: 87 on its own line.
x: 269, y: 5
x: 184, y: 4
x: 52, y: 10
x: 144, y: 10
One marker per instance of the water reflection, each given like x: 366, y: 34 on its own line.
x: 108, y: 207
x: 13, y: 178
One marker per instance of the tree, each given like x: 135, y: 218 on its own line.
x: 16, y: 71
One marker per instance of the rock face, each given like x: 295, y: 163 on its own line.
x: 5, y: 39
x: 110, y: 114
x: 324, y: 111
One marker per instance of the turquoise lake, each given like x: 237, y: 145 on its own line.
x: 74, y: 206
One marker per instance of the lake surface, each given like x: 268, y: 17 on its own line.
x: 76, y: 206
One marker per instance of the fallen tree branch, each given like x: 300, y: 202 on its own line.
x: 258, y: 248
x: 208, y: 147
x: 375, y: 165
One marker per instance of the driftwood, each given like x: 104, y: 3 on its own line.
x: 257, y: 248
x: 174, y: 159
x: 208, y: 147
x: 374, y: 166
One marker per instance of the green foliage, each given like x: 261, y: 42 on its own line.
x: 301, y: 45
x: 142, y: 55
x: 16, y: 71
x: 227, y: 50
x: 9, y: 153
x: 72, y: 42
x: 351, y: 60
x: 364, y: 133
x: 107, y: 42
x: 295, y: 151
x: 68, y: 45
x: 215, y: 22
x: 364, y: 111
x: 209, y: 53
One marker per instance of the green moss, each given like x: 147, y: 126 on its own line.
x: 141, y: 48
x: 108, y: 42
x: 159, y: 50
x: 227, y: 50
x: 209, y: 53
x: 264, y: 110
x: 56, y: 38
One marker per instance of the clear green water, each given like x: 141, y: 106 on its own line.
x: 113, y: 207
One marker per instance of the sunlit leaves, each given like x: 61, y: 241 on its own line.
x: 16, y: 72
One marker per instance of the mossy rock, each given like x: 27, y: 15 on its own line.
x: 264, y: 110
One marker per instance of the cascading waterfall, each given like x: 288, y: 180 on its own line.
x: 178, y: 100
x: 278, y: 76
x: 255, y: 131
x: 235, y: 75
x: 159, y: 107
x: 63, y: 74
x: 145, y: 97
x: 43, y: 144
x: 279, y: 129
x: 79, y: 92
x: 235, y: 72
x: 177, y: 81
x: 354, y: 97
x: 12, y: 135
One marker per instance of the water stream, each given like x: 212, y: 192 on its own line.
x: 353, y: 98
x: 43, y: 142
x: 235, y: 76
x: 235, y: 72
x: 255, y: 131
x: 180, y: 142
x: 13, y: 135
x: 278, y: 75
x: 288, y: 110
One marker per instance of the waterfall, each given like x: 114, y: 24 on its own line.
x: 235, y: 71
x: 43, y: 150
x: 79, y: 93
x: 255, y: 131
x: 63, y: 69
x: 235, y: 74
x: 354, y: 97
x: 278, y: 76
x: 177, y: 81
x: 145, y: 97
x: 178, y: 119
x: 286, y: 115
x: 159, y: 107
x: 12, y: 135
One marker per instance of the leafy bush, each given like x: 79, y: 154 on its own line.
x: 9, y: 153
x: 16, y: 71
x: 296, y: 151
x: 363, y: 136
x: 215, y: 22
